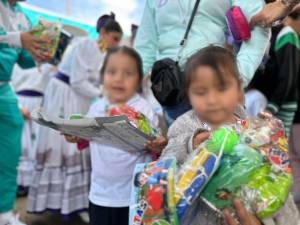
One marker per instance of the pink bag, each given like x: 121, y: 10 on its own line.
x: 238, y: 24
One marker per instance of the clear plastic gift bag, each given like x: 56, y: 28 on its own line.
x: 200, y: 166
x: 257, y: 171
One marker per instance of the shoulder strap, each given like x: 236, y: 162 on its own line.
x: 182, y: 43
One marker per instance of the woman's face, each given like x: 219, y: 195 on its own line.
x: 111, y: 38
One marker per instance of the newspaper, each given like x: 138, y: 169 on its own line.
x: 114, y: 131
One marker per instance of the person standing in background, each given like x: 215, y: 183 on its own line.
x: 14, y: 39
x: 283, y: 98
x: 163, y: 26
x: 29, y: 85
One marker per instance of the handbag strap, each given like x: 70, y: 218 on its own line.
x: 187, y: 31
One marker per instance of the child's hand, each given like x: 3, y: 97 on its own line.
x: 25, y: 113
x: 199, y: 138
x: 71, y: 138
x: 244, y: 217
x: 157, y: 145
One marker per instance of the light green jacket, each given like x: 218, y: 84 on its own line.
x: 164, y: 23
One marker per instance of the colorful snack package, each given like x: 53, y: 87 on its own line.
x: 152, y: 197
x: 136, y: 118
x: 51, y: 31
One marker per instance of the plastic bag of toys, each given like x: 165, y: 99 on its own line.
x: 152, y: 197
x: 200, y: 166
x: 51, y: 31
x: 137, y: 119
x: 257, y: 171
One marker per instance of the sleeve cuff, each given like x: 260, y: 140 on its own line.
x: 272, y: 107
x: 190, y: 144
x: 13, y: 39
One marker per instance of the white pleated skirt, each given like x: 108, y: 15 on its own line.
x: 28, y: 141
x: 62, y: 173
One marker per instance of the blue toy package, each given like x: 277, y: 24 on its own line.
x: 152, y: 196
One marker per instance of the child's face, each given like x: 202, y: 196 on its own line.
x: 213, y: 102
x: 121, y: 78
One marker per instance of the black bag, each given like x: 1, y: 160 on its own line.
x: 167, y: 82
x: 166, y: 76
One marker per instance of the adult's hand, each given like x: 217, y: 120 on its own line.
x: 243, y: 216
x: 270, y: 13
x: 35, y: 46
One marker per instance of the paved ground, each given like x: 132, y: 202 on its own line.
x: 48, y: 218
x: 43, y: 219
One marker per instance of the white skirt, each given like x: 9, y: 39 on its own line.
x: 62, y: 173
x: 28, y: 142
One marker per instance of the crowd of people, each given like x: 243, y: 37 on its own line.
x: 223, y: 77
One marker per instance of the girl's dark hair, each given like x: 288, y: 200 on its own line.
x: 108, y: 23
x: 216, y: 57
x: 128, y: 51
x: 295, y: 14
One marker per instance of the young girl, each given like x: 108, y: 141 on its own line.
x: 214, y: 90
x: 61, y: 177
x: 112, y: 168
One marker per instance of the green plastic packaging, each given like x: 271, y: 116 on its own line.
x: 245, y: 175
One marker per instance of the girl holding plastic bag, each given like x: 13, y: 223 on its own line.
x: 214, y: 91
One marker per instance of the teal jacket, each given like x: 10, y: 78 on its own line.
x: 11, y: 51
x: 164, y: 23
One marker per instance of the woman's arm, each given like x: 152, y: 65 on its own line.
x: 82, y: 64
x: 273, y: 11
x: 252, y: 51
x: 147, y: 37
x: 13, y: 39
x: 34, y: 45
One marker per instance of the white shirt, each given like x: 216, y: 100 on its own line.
x: 11, y: 23
x: 34, y: 79
x: 82, y: 62
x: 112, y: 168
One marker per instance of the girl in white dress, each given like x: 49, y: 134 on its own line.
x: 62, y: 173
x: 29, y: 84
x: 112, y: 168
